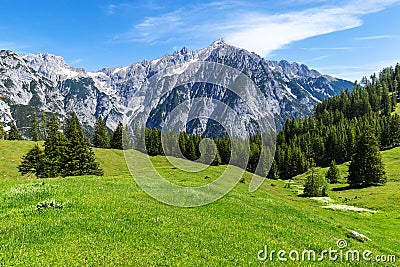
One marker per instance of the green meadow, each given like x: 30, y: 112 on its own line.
x: 110, y: 221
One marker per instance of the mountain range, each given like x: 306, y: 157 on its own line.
x: 46, y: 83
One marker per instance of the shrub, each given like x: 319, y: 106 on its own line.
x: 315, y: 186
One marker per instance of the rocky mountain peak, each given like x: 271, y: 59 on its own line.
x: 45, y: 82
x: 9, y: 58
x: 52, y: 67
x: 184, y: 50
x: 219, y: 42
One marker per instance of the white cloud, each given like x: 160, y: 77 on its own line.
x: 263, y: 34
x: 125, y: 7
x: 153, y: 28
x: 318, y: 58
x: 190, y: 23
x: 172, y: 20
x: 376, y: 37
x: 259, y: 32
x: 76, y: 61
x: 111, y: 9
x: 329, y: 48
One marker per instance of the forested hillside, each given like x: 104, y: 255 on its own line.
x: 331, y: 133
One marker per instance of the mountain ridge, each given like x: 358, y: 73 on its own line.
x: 292, y: 89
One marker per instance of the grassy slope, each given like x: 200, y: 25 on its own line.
x: 377, y: 197
x: 391, y: 159
x: 109, y: 221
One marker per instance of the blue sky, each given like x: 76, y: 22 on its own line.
x: 347, y: 39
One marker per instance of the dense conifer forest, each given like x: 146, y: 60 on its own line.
x: 337, y: 124
x: 330, y: 136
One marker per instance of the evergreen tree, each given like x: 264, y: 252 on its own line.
x: 274, y: 171
x: 265, y: 162
x: 34, y: 131
x: 117, y: 136
x: 386, y: 101
x: 333, y: 174
x: 182, y: 140
x: 43, y: 126
x: 190, y: 149
x: 121, y: 139
x: 385, y: 134
x: 395, y: 130
x: 349, y: 144
x: 366, y: 167
x: 254, y: 157
x: 80, y: 158
x: 196, y: 139
x: 100, y: 136
x: 217, y: 159
x: 170, y: 139
x: 127, y: 141
x: 14, y: 133
x: 55, y: 149
x: 139, y: 138
x: 224, y: 149
x: 33, y: 162
x: 150, y: 142
x: 210, y: 153
x: 394, y: 102
x: 2, y: 132
x: 316, y: 185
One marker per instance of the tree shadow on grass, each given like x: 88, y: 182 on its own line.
x: 350, y: 187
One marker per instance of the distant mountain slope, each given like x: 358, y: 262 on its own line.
x: 44, y: 82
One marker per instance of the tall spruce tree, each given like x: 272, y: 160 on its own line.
x: 80, y: 158
x: 266, y: 159
x: 43, y: 126
x: 55, y: 149
x: 14, y: 133
x: 366, y: 167
x: 139, y: 138
x: 34, y: 131
x: 190, y: 149
x: 127, y: 142
x: 217, y: 159
x: 117, y: 137
x: 274, y: 171
x: 333, y: 173
x: 169, y: 143
x: 386, y: 101
x: 33, y: 162
x: 395, y: 130
x: 210, y: 154
x: 224, y: 149
x: 100, y: 136
x: 121, y: 139
x: 316, y: 185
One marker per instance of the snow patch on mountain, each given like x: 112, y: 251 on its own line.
x: 53, y: 67
x: 45, y: 82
